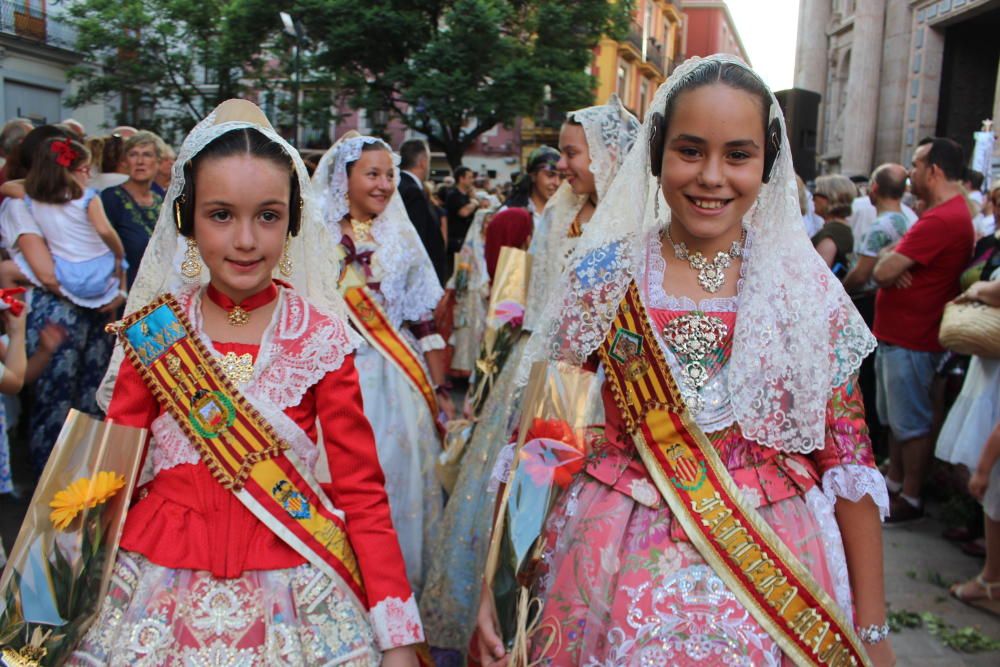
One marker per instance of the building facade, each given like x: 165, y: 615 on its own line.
x: 709, y: 28
x: 893, y: 71
x: 36, y: 52
x: 636, y: 66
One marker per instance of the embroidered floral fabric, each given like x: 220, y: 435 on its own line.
x: 157, y: 616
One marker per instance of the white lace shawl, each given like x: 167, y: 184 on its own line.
x: 313, y: 275
x: 797, y: 334
x: 610, y: 130
x: 298, y: 348
x: 409, y: 283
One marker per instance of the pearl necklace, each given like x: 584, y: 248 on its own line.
x: 711, y: 274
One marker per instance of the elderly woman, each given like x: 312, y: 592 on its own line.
x: 834, y: 241
x: 132, y: 207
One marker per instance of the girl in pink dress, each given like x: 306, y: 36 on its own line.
x: 764, y: 348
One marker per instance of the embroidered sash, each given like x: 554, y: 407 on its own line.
x: 240, y: 448
x: 736, y: 542
x: 371, y: 321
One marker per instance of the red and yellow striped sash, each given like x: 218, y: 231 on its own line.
x: 736, y: 542
x: 240, y: 448
x: 373, y: 323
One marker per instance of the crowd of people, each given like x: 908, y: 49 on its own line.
x: 751, y: 353
x: 905, y: 243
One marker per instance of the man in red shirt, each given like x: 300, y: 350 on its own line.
x: 918, y: 276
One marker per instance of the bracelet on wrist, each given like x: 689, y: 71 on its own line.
x: 873, y: 634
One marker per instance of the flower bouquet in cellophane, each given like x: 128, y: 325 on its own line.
x: 504, y: 318
x: 59, y: 570
x: 562, y: 416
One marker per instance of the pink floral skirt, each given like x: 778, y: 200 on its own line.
x: 616, y: 590
x: 155, y: 615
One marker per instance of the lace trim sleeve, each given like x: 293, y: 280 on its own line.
x: 853, y: 482
x: 396, y: 623
x: 432, y: 342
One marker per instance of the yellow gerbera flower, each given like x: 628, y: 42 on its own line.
x: 83, y: 493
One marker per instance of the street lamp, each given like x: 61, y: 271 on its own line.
x: 294, y: 28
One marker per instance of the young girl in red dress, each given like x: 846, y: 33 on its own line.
x: 205, y: 574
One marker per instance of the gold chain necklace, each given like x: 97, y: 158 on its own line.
x: 711, y: 274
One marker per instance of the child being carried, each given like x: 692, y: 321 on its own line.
x: 87, y: 251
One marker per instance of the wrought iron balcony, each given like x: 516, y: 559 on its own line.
x: 35, y: 25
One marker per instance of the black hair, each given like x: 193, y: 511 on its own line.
x: 243, y: 141
x: 975, y: 178
x: 947, y: 155
x: 734, y: 76
x: 410, y: 152
x: 23, y: 156
x: 460, y: 172
x: 365, y: 148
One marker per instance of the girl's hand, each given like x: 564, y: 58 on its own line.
x: 15, y: 323
x: 491, y: 650
x: 977, y: 485
x: 403, y: 656
x: 447, y: 405
x: 881, y: 654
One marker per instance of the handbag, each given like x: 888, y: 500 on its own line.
x: 971, y: 328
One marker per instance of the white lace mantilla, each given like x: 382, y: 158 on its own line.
x: 298, y: 349
x: 611, y: 131
x: 312, y: 272
x: 550, y: 248
x: 797, y: 337
x: 396, y: 622
x: 408, y: 281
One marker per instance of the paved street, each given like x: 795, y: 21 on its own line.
x: 918, y: 564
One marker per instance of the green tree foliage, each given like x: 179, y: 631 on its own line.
x: 171, y: 58
x: 452, y: 69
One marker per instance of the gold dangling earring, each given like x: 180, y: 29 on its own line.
x: 285, y: 263
x: 191, y: 266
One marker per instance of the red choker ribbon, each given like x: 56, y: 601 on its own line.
x: 239, y: 313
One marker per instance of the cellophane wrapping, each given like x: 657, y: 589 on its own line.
x: 560, y: 421
x: 60, y: 567
x: 504, y: 319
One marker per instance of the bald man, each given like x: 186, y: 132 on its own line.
x: 885, y: 191
x: 76, y: 127
x: 124, y: 131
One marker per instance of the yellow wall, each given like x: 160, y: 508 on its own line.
x: 665, y: 28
